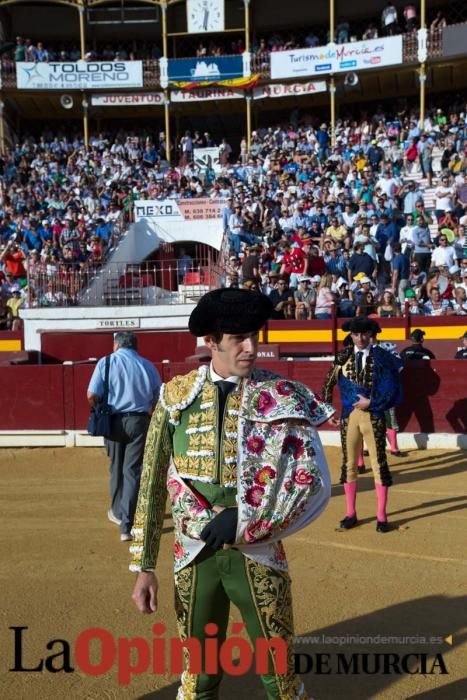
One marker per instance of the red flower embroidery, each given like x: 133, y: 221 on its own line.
x: 178, y: 551
x: 258, y: 530
x: 256, y: 444
x: 266, y: 403
x: 284, y: 388
x: 174, y: 489
x: 254, y: 495
x: 264, y: 475
x: 294, y: 445
x: 302, y: 476
x: 288, y: 485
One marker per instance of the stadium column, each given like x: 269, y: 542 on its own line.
x: 332, y: 82
x: 166, y: 92
x: 246, y: 5
x: 82, y: 37
x: 422, y: 55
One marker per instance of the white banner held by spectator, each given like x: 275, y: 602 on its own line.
x: 133, y: 100
x: 79, y: 75
x: 205, y: 94
x: 207, y: 158
x: 291, y: 90
x: 337, y: 58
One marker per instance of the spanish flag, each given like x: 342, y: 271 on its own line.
x: 237, y: 83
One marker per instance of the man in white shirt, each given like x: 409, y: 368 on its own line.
x: 443, y: 255
x: 444, y: 198
x: 406, y: 237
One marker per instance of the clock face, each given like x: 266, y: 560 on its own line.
x: 205, y: 16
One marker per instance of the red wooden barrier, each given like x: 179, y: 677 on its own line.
x: 53, y: 397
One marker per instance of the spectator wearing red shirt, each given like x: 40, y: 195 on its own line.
x: 13, y: 258
x: 294, y: 263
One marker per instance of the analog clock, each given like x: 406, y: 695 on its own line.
x: 205, y: 16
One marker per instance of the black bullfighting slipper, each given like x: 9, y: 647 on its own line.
x: 382, y: 526
x: 361, y: 470
x: 397, y: 453
x: 348, y: 522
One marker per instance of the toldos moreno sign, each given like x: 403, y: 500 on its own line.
x: 79, y: 75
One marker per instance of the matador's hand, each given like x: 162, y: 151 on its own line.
x: 362, y: 403
x: 145, y: 592
x: 221, y: 530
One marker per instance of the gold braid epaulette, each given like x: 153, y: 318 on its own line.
x: 181, y: 391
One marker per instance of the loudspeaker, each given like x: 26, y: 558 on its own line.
x: 66, y: 101
x: 351, y: 80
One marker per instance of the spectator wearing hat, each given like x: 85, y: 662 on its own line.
x: 271, y: 282
x: 369, y: 384
x: 412, y: 303
x: 461, y: 354
x: 213, y: 487
x: 335, y: 262
x: 416, y: 351
x: 13, y: 306
x: 305, y: 299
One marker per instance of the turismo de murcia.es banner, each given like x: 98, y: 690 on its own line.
x: 336, y: 58
x: 79, y: 75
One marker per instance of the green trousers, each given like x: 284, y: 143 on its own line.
x: 203, y: 592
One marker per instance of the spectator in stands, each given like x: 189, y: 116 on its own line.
x: 389, y: 20
x: 438, y: 23
x: 305, y: 299
x: 360, y: 262
x: 413, y: 305
x: 387, y: 307
x: 400, y: 271
x: 422, y: 244
x: 444, y: 254
x: 325, y: 298
x: 13, y: 306
x: 436, y: 306
x: 280, y: 298
x: 444, y: 198
x: 410, y: 16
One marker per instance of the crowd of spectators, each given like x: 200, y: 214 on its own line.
x: 347, y: 214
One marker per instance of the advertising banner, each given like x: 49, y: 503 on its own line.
x: 182, y: 219
x: 289, y: 90
x: 79, y: 75
x: 205, y: 69
x: 455, y: 40
x: 337, y: 58
x: 128, y: 100
x: 205, y: 94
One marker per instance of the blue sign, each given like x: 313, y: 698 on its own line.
x: 323, y: 68
x: 204, y: 69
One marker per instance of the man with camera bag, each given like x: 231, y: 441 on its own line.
x: 133, y: 390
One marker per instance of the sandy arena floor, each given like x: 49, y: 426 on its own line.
x: 63, y: 570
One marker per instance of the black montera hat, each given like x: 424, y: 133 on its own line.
x: 230, y: 311
x: 361, y: 324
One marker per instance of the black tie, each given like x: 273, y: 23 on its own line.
x: 359, y: 363
x: 224, y: 389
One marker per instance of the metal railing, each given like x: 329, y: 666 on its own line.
x: 260, y: 62
x: 124, y: 284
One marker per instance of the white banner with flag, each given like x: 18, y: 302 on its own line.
x: 79, y: 75
x: 337, y: 58
x: 289, y: 90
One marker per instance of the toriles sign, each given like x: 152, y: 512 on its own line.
x: 79, y: 75
x: 337, y: 58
